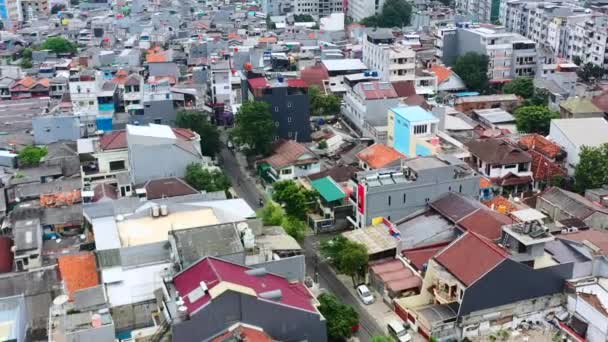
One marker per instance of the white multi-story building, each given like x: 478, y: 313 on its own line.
x: 588, y: 40
x: 321, y: 8
x: 484, y: 11
x: 395, y: 62
x: 84, y: 88
x: 361, y: 9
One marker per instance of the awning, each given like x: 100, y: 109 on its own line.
x: 328, y: 189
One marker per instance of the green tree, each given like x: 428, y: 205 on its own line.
x: 26, y: 53
x: 59, y: 45
x: 577, y: 60
x: 26, y: 63
x: 395, y: 13
x: 31, y: 155
x: 590, y: 72
x: 205, y: 180
x: 323, y: 104
x: 521, y: 86
x: 382, y: 338
x: 254, y: 127
x: 592, y: 168
x: 199, y: 123
x: 303, y: 18
x: 295, y: 199
x: 57, y: 8
x: 295, y: 227
x: 539, y: 98
x: 322, y: 144
x: 340, y: 318
x: 534, y: 119
x: 473, y: 70
x: 346, y: 256
x: 272, y: 214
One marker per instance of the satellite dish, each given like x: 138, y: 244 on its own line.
x: 60, y: 300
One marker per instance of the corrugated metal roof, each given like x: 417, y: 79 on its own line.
x: 328, y: 189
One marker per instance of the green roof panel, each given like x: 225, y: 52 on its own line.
x: 328, y: 189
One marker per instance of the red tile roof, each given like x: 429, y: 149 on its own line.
x: 289, y: 152
x: 543, y: 168
x: 485, y: 222
x: 537, y: 142
x: 244, y: 333
x: 441, y: 72
x: 104, y: 190
x: 420, y: 256
x: 297, y: 83
x: 184, y: 133
x: 484, y: 183
x: 378, y: 156
x: 396, y: 276
x: 417, y: 100
x: 377, y: 90
x: 168, y: 187
x: 114, y: 140
x: 258, y: 83
x: 314, y: 75
x: 404, y: 88
x: 78, y: 271
x: 470, y: 257
x: 215, y: 271
x: 598, y: 238
x: 499, y: 201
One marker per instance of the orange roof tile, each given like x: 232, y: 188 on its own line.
x: 156, y: 57
x: 45, y: 82
x: 78, y: 271
x: 499, y: 201
x: 233, y: 35
x: 378, y: 156
x: 540, y: 144
x: 270, y: 40
x: 26, y: 82
x: 442, y: 73
x: 484, y: 183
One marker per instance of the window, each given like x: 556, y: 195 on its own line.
x: 167, y: 96
x: 289, y: 119
x: 276, y: 124
x: 420, y: 129
x: 460, y: 188
x: 510, y: 166
x: 158, y: 121
x: 389, y: 201
x: 286, y: 171
x: 288, y: 104
x: 117, y: 165
x: 404, y: 197
x: 276, y: 109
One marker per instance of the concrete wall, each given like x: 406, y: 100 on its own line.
x: 50, y: 129
x: 571, y: 149
x: 281, y: 322
x: 427, y: 188
x: 154, y: 111
x: 163, y: 69
x: 158, y: 161
x: 104, y: 333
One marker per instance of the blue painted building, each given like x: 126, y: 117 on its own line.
x: 411, y: 131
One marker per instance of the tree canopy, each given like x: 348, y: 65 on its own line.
x: 590, y: 72
x: 473, y: 70
x: 295, y: 227
x: 271, y: 214
x: 534, y: 119
x: 346, y: 256
x: 254, y: 127
x: 340, y: 318
x: 203, y: 179
x: 295, y: 199
x: 592, y: 169
x: 31, y: 155
x: 395, y: 13
x: 521, y: 86
x: 59, y: 45
x: 199, y: 123
x: 303, y: 18
x: 380, y: 338
x: 323, y: 104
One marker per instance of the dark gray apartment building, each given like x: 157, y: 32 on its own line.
x: 395, y: 193
x: 289, y: 104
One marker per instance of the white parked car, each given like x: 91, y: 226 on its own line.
x: 365, y: 294
x: 398, y: 332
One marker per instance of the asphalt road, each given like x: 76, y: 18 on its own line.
x: 241, y: 182
x: 327, y: 279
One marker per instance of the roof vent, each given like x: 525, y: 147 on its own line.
x: 276, y: 295
x: 257, y: 272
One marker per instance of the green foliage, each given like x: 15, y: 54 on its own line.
x: 254, y: 127
x: 26, y: 53
x: 340, y: 318
x: 205, y: 180
x: 322, y: 144
x: 32, y: 155
x: 59, y: 45
x: 295, y: 227
x: 303, y: 18
x: 272, y: 214
x: 199, y: 123
x: 577, y: 60
x: 295, y: 199
x: 347, y: 257
x: 26, y: 63
x: 591, y: 171
x: 521, y: 86
x: 323, y: 104
x: 395, y: 13
x: 539, y: 98
x: 473, y: 70
x: 590, y: 72
x: 381, y: 338
x: 269, y: 24
x: 57, y: 8
x: 534, y: 119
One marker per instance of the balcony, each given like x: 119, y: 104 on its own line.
x: 106, y: 107
x: 443, y: 296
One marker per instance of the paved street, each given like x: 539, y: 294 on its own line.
x: 246, y: 188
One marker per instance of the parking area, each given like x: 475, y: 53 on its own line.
x: 16, y: 120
